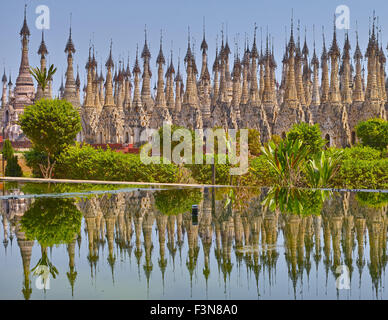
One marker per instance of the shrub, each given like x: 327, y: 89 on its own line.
x: 310, y: 135
x: 263, y: 174
x: 361, y: 153
x: 322, y: 168
x: 254, y: 142
x: 372, y: 199
x: 287, y: 159
x: 202, y: 173
x: 373, y: 133
x: 362, y: 174
x: 13, y: 168
x: 173, y: 202
x: 87, y: 163
x: 7, y: 150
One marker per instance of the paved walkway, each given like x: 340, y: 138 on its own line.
x: 22, y: 179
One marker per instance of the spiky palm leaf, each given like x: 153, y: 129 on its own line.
x: 322, y: 168
x: 287, y: 159
x: 43, y: 77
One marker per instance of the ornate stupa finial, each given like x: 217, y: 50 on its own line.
x: 254, y: 53
x: 178, y: 76
x: 4, y: 78
x: 25, y: 31
x: 160, y: 59
x: 42, y: 48
x: 314, y: 60
x: 136, y: 68
x: 357, y: 52
x: 298, y: 29
x: 146, y: 52
x: 70, y: 49
x: 204, y: 46
x: 109, y: 63
x: 305, y: 50
x: 291, y: 44
x: 188, y: 56
x: 334, y: 50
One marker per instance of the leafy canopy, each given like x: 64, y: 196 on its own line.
x: 52, y: 221
x: 50, y: 125
x: 373, y: 133
x: 310, y: 135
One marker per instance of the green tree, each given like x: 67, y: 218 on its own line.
x: 373, y: 133
x: 43, y: 77
x: 7, y: 151
x: 51, y: 125
x: 310, y: 135
x: 13, y: 168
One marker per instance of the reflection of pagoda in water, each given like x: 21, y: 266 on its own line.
x: 245, y: 238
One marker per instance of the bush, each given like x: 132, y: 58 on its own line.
x: 173, y: 202
x: 263, y: 174
x: 361, y: 153
x: 309, y: 135
x: 202, y: 173
x: 13, y: 168
x: 87, y: 163
x: 7, y: 150
x: 253, y: 142
x: 372, y: 199
x: 362, y: 174
x: 373, y: 133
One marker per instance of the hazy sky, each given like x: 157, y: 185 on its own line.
x: 123, y: 21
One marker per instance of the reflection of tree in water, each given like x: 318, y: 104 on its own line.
x: 51, y: 222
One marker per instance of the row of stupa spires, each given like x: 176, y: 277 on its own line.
x: 299, y: 85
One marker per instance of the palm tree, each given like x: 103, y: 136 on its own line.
x: 43, y: 76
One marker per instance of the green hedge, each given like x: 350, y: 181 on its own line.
x: 363, y: 174
x: 262, y: 174
x: 358, y: 152
x: 87, y: 163
x: 202, y: 173
x: 173, y: 202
